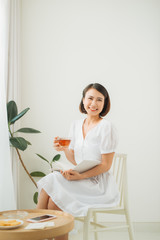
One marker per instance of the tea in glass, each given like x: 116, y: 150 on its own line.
x: 63, y: 141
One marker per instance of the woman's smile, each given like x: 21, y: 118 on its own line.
x: 93, y: 109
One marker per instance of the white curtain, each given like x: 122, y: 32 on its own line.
x: 13, y: 80
x: 9, y: 90
x: 7, y: 196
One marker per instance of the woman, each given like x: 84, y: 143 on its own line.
x: 93, y: 138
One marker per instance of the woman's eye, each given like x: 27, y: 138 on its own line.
x: 100, y: 100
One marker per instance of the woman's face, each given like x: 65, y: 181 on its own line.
x: 93, y: 102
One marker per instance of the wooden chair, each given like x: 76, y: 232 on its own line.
x: 120, y: 173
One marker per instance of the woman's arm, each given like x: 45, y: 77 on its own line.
x: 69, y: 153
x: 104, y: 166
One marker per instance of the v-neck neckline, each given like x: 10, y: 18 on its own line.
x: 84, y: 138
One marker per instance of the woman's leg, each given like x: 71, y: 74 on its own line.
x: 64, y: 237
x: 43, y: 200
x: 53, y: 206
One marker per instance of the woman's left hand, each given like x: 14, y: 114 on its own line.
x: 71, y: 175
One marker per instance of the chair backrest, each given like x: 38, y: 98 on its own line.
x: 120, y: 174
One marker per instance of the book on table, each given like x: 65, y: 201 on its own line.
x: 81, y: 167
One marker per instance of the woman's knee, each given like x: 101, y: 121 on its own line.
x: 43, y: 200
x: 52, y: 205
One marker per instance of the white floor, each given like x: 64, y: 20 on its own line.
x: 143, y: 231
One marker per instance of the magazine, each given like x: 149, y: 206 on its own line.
x: 81, y: 167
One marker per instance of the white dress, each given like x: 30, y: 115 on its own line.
x: 75, y: 197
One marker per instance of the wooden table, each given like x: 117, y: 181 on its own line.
x: 64, y: 223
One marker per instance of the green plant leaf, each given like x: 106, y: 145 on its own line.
x: 19, y: 142
x: 42, y: 157
x: 11, y: 110
x: 37, y: 174
x: 28, y: 130
x: 56, y: 158
x: 19, y: 116
x: 28, y: 142
x: 35, y: 197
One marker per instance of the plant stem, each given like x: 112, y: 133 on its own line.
x: 20, y: 158
x: 10, y: 130
x: 25, y: 168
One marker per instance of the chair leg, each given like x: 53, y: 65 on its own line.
x: 95, y: 220
x: 130, y: 229
x: 86, y: 227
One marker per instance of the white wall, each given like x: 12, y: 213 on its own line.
x: 69, y: 44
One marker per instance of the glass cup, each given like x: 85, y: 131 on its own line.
x: 64, y: 142
x: 15, y: 214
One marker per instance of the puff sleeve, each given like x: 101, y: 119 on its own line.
x: 109, y: 139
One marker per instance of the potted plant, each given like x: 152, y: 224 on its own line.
x: 20, y: 143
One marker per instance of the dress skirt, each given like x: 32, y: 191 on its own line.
x: 75, y: 197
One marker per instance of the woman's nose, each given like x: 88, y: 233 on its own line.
x: 93, y: 103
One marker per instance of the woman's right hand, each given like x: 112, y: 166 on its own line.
x: 57, y: 146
